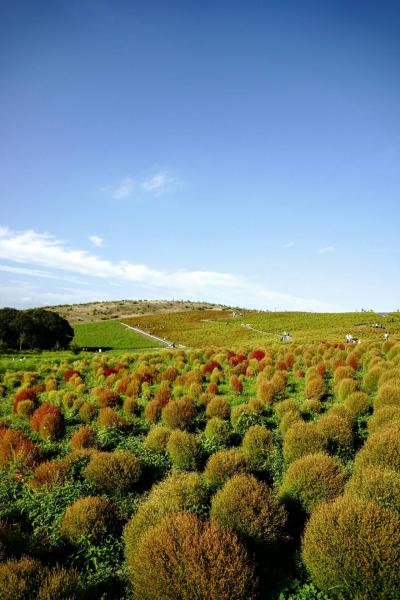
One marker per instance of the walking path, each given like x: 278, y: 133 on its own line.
x: 167, y: 343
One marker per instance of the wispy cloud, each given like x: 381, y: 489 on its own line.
x: 42, y: 250
x: 96, y: 240
x: 289, y: 245
x: 326, y: 250
x: 159, y: 183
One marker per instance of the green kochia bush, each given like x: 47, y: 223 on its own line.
x: 183, y: 450
x: 257, y: 445
x: 250, y: 508
x: 380, y: 484
x: 88, y: 517
x: 110, y: 472
x: 312, y: 479
x: 222, y: 465
x: 351, y: 548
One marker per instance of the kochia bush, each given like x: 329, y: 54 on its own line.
x: 312, y: 479
x: 351, y: 548
x: 250, y: 508
x: 191, y: 559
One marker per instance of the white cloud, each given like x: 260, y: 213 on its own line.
x: 41, y: 250
x: 326, y: 250
x: 289, y: 245
x: 124, y: 189
x: 158, y: 184
x: 96, y: 240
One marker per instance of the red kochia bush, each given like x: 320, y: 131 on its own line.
x: 257, y: 354
x: 211, y: 365
x: 25, y: 394
x: 236, y: 359
x: 47, y: 420
x: 70, y: 373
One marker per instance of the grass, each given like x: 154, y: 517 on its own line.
x: 113, y: 335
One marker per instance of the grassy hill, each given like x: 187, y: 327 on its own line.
x: 113, y: 335
x: 118, y: 309
x: 228, y: 328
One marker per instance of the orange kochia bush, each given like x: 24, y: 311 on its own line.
x: 22, y: 395
x: 18, y: 448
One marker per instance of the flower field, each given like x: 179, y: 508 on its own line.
x: 264, y: 472
x: 200, y: 329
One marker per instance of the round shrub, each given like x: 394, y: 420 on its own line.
x: 191, y: 559
x: 157, y: 438
x: 315, y: 388
x: 340, y: 410
x: 379, y: 484
x: 218, y: 407
x: 250, y: 508
x: 152, y: 411
x: 285, y: 406
x: 84, y: 437
x: 106, y: 397
x: 217, y: 431
x: 50, y: 473
x: 388, y: 395
x: 222, y: 465
x: 61, y: 584
x: 20, y: 579
x: 179, y: 414
x: 310, y: 406
x: 90, y: 517
x: 382, y: 417
x: 336, y: 433
x: 382, y: 448
x: 300, y: 439
x: 341, y: 373
x: 17, y: 448
x: 47, y: 420
x: 242, y: 416
x: 179, y: 491
x: 108, y: 418
x: 312, y: 479
x: 256, y: 447
x: 110, y: 472
x: 289, y: 418
x: 351, y: 548
x: 183, y: 450
x: 131, y: 406
x: 371, y: 378
x: 358, y: 404
x: 26, y: 408
x: 87, y: 412
x: 346, y: 387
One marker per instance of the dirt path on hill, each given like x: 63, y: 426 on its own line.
x: 166, y: 343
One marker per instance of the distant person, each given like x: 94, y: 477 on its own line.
x: 385, y: 336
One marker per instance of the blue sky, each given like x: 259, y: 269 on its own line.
x: 246, y: 153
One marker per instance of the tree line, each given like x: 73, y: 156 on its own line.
x: 33, y: 328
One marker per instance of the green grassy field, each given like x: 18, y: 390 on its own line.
x: 200, y: 329
x: 111, y: 334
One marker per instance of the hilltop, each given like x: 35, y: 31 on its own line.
x: 118, y: 309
